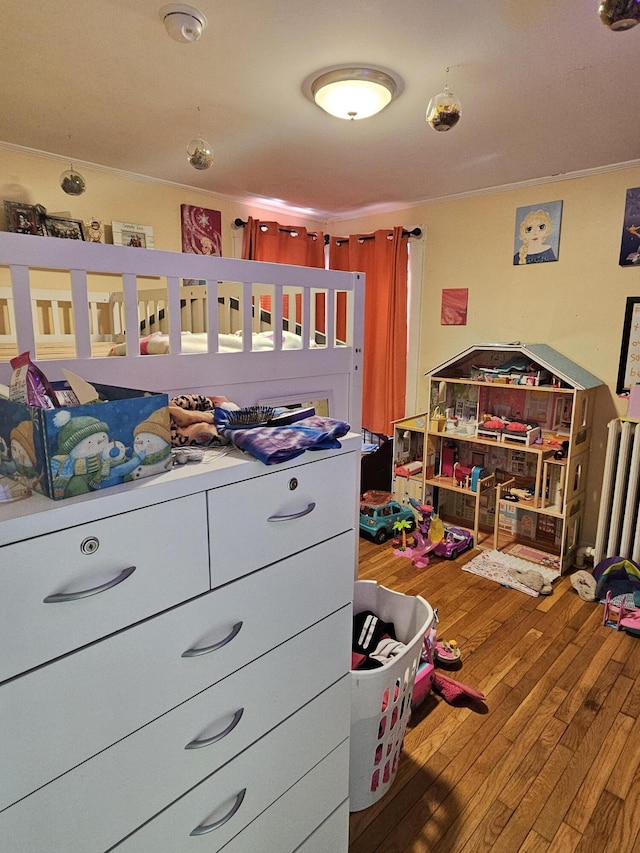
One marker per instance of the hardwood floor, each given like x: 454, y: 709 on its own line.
x: 553, y: 762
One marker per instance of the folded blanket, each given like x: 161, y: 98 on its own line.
x: 273, y: 444
x: 193, y: 419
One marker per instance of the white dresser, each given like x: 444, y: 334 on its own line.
x: 174, y: 664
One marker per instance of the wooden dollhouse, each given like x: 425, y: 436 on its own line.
x: 504, y: 446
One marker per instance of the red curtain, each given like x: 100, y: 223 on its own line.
x: 283, y: 244
x: 383, y: 257
x: 280, y: 244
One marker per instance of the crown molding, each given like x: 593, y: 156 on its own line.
x: 279, y: 205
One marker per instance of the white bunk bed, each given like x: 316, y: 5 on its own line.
x: 86, y: 280
x: 167, y: 629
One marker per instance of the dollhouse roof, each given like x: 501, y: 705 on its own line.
x: 545, y: 356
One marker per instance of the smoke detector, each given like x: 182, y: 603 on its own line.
x: 183, y: 23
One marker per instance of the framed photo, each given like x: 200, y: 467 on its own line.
x: 630, y: 246
x: 629, y: 368
x: 22, y: 218
x: 94, y: 231
x: 69, y: 229
x: 128, y: 234
x: 537, y: 237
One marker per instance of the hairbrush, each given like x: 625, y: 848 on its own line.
x: 250, y: 416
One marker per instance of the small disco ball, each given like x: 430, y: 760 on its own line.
x: 444, y: 111
x: 199, y: 154
x: 72, y: 183
x: 619, y: 15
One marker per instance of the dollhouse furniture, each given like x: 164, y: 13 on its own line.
x: 520, y: 415
x: 160, y: 682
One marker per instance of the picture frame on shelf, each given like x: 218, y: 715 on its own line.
x: 94, y: 231
x: 130, y: 234
x: 58, y: 226
x: 22, y: 218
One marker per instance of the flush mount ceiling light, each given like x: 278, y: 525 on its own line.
x: 353, y: 93
x: 183, y: 23
x: 619, y: 14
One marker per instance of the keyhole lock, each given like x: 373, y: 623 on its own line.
x: 89, y: 545
x: 293, y: 484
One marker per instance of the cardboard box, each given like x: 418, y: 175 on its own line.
x: 75, y: 450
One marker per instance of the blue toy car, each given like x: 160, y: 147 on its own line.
x: 377, y: 521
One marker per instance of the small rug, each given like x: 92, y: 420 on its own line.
x: 495, y: 565
x: 535, y: 556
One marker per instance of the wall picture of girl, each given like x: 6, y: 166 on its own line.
x: 537, y: 234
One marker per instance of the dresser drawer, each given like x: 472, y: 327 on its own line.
x: 164, y: 544
x: 331, y: 835
x: 104, y: 799
x: 292, y: 822
x: 283, y: 511
x: 65, y: 712
x: 244, y: 788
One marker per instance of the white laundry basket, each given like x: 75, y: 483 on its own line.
x: 381, y: 698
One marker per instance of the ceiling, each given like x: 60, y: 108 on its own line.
x: 546, y: 90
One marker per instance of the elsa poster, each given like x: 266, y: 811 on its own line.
x: 537, y: 236
x: 630, y: 248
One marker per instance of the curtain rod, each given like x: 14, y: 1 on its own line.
x: 240, y: 223
x: 415, y: 232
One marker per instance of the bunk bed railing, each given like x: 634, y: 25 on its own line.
x: 85, y: 282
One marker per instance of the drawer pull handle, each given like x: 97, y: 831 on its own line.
x: 193, y: 653
x: 203, y: 829
x: 303, y: 512
x: 61, y: 597
x: 198, y: 744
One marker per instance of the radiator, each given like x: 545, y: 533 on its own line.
x: 618, y: 531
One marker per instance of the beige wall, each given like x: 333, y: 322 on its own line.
x: 575, y: 305
x: 33, y: 178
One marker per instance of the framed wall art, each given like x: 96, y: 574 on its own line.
x: 453, y: 309
x: 629, y: 367
x: 201, y: 230
x: 22, y: 218
x: 128, y: 234
x: 537, y: 236
x: 630, y: 246
x: 57, y: 226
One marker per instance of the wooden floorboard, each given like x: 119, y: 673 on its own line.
x: 551, y: 762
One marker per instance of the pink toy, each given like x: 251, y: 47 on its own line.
x: 432, y: 536
x: 462, y: 475
x: 426, y: 538
x: 622, y: 614
x: 455, y: 692
x: 631, y: 623
x: 447, y: 652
